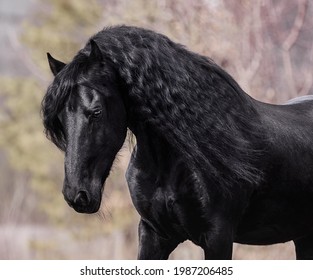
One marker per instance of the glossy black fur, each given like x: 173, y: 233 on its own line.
x: 211, y: 164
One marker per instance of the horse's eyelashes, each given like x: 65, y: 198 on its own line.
x: 96, y: 114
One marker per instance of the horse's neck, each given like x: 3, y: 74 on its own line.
x: 153, y: 148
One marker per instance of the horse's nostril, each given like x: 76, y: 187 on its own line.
x: 82, y: 198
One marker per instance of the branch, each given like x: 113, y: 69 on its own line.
x: 307, y: 84
x: 251, y: 24
x: 25, y: 58
x: 297, y: 26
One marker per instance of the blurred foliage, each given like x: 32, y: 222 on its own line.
x: 60, y: 26
x: 22, y: 137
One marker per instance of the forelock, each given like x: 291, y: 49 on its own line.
x: 56, y: 96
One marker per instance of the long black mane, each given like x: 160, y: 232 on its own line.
x: 182, y: 96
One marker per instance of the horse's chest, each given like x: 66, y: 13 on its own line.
x: 171, y: 206
x: 158, y: 206
x: 170, y: 214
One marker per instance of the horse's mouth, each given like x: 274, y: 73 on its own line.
x: 92, y: 207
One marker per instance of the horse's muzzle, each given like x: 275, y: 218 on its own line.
x: 83, y: 203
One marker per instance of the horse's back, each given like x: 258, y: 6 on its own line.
x: 292, y: 118
x: 288, y: 130
x: 299, y: 100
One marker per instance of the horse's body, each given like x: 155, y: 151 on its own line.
x: 211, y: 164
x: 278, y: 210
x: 281, y: 208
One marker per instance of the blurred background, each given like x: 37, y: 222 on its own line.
x: 267, y: 46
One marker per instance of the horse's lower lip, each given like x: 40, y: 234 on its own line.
x: 86, y: 210
x: 93, y: 207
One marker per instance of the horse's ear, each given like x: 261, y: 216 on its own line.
x: 55, y: 65
x: 95, y: 52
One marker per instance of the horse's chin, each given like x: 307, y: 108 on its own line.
x: 92, y: 208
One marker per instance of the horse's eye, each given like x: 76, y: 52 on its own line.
x: 96, y: 114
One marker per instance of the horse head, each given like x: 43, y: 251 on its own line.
x: 85, y: 116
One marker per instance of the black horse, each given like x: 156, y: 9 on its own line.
x: 211, y: 164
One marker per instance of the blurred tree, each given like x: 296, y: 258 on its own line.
x: 275, y: 43
x: 59, y: 26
